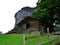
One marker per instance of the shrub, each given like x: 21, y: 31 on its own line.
x: 56, y: 29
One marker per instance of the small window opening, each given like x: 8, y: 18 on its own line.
x: 27, y: 25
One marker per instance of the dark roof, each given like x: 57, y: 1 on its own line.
x: 26, y: 19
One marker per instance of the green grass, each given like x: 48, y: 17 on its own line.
x: 53, y: 42
x: 13, y: 39
x: 30, y: 35
x: 38, y: 40
x: 16, y: 39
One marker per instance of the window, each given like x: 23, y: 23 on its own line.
x: 32, y: 25
x: 27, y: 25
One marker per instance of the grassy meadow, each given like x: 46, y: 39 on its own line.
x: 17, y: 39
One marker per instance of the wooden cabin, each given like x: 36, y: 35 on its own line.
x: 25, y: 21
x: 30, y: 25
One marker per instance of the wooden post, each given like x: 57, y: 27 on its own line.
x: 42, y: 32
x: 24, y: 39
x: 48, y: 33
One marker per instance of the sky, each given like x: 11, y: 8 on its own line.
x: 8, y: 8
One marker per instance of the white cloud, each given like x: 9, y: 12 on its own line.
x: 7, y: 10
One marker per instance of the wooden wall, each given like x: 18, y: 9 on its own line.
x: 34, y: 26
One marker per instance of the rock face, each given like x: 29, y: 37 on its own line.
x: 24, y: 12
x: 19, y: 16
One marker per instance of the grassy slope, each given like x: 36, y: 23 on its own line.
x: 53, y: 42
x: 16, y: 39
x: 38, y: 40
x: 13, y: 39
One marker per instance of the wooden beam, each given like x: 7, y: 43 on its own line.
x: 24, y: 39
x: 48, y: 33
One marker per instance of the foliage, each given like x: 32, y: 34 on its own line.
x: 0, y: 32
x: 48, y: 11
x: 56, y: 29
x: 18, y: 29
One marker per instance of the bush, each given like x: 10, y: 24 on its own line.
x: 0, y: 32
x: 18, y: 29
x: 56, y: 29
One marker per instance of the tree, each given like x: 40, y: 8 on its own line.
x: 48, y: 11
x: 0, y: 32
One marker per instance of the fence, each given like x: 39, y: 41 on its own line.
x: 27, y: 38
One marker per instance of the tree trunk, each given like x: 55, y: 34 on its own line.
x: 45, y: 29
x: 48, y: 33
x: 39, y: 26
x: 51, y: 28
